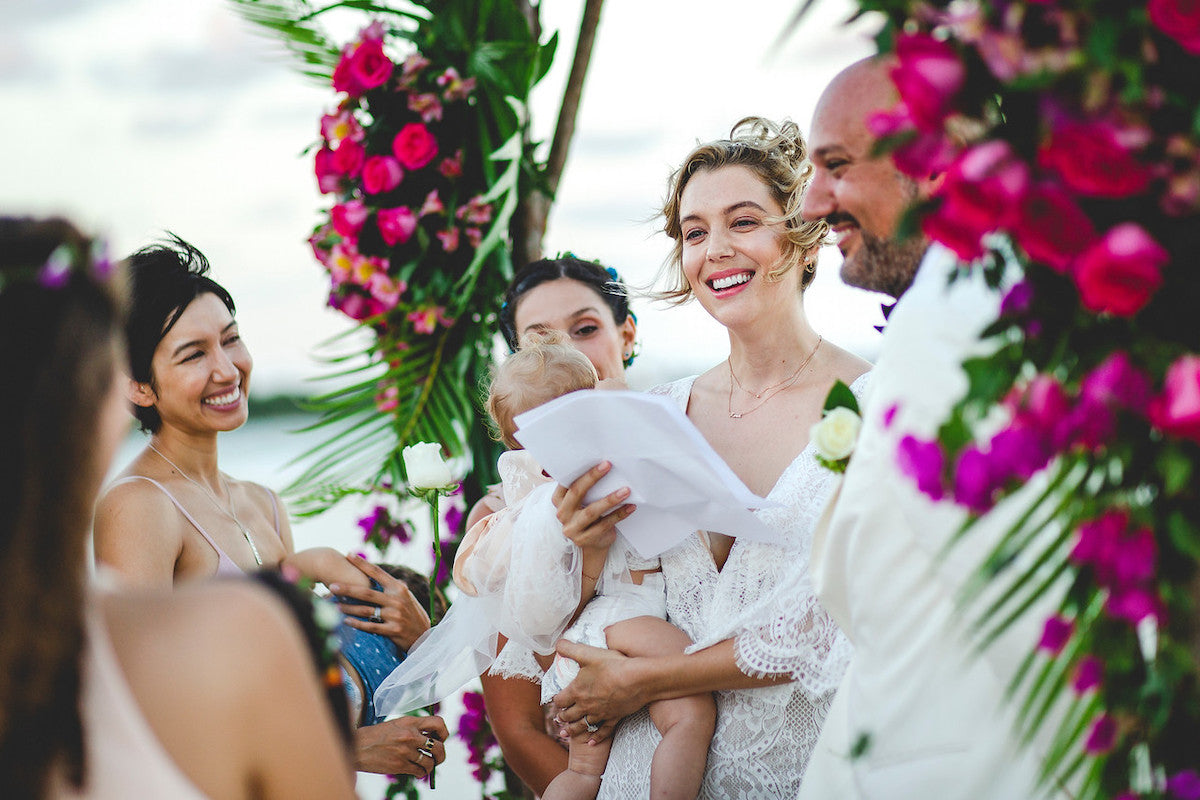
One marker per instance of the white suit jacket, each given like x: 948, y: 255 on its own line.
x: 934, y: 718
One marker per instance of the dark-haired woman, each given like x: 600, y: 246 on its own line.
x: 206, y: 692
x: 589, y: 304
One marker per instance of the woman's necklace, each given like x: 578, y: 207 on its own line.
x: 230, y: 512
x: 770, y: 391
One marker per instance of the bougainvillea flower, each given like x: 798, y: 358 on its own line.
x: 414, y: 146
x: 381, y: 174
x: 923, y: 462
x: 981, y: 192
x: 1018, y: 451
x: 1120, y: 273
x: 1088, y: 674
x: 1017, y: 299
x: 1102, y: 736
x: 1177, y: 410
x: 1184, y: 785
x: 396, y: 225
x: 1117, y: 382
x: 928, y: 75
x: 1093, y: 159
x: 1179, y: 19
x: 1132, y: 604
x: 348, y: 218
x: 1051, y: 227
x: 1055, y: 634
x: 973, y: 484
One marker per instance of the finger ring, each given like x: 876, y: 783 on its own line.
x: 425, y: 752
x: 590, y: 727
x: 429, y: 743
x: 377, y: 614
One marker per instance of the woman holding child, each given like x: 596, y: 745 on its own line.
x: 774, y: 661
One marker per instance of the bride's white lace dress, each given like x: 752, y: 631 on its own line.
x: 763, y: 599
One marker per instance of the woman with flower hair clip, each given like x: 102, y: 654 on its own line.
x: 91, y: 704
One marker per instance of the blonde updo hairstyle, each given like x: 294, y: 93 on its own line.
x: 544, y: 368
x: 777, y: 154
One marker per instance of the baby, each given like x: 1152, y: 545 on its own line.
x: 525, y: 578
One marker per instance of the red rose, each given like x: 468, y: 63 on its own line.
x: 381, y: 174
x: 1121, y: 272
x: 369, y: 66
x: 928, y: 75
x: 348, y: 157
x: 1052, y: 228
x: 1179, y: 19
x: 1092, y: 160
x: 414, y: 146
x: 1177, y: 410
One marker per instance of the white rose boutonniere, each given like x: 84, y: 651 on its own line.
x: 836, y: 434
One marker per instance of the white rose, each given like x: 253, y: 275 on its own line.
x: 425, y: 467
x: 834, y: 436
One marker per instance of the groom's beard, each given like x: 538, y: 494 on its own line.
x: 884, y: 265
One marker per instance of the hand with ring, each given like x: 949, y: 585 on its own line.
x: 591, y: 727
x: 393, y: 612
x: 405, y: 745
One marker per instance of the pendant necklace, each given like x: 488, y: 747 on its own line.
x: 230, y: 512
x: 770, y: 391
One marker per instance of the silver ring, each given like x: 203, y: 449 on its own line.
x: 429, y: 743
x: 425, y: 752
x: 377, y: 614
x: 590, y: 727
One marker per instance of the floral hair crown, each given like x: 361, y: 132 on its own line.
x: 56, y: 271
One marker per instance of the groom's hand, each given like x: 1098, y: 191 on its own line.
x: 604, y: 691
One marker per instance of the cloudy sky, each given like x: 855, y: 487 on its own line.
x: 138, y: 116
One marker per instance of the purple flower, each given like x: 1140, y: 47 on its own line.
x: 1017, y: 299
x: 973, y: 485
x: 923, y: 462
x: 377, y: 518
x: 1184, y: 785
x: 1055, y: 634
x: 1132, y: 604
x: 1102, y: 736
x: 1116, y: 381
x: 1017, y: 452
x: 453, y: 518
x: 889, y: 415
x: 1088, y: 674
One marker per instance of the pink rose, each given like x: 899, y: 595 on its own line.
x: 1051, y: 228
x: 1121, y: 272
x: 1177, y: 410
x: 1179, y: 19
x: 329, y: 177
x: 348, y: 157
x: 981, y: 193
x: 1092, y: 159
x: 369, y: 66
x: 396, y: 225
x: 414, y: 146
x: 381, y: 174
x: 348, y: 218
x: 928, y: 75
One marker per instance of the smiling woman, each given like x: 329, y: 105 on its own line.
x: 172, y: 515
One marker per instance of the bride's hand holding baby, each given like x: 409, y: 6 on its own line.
x: 591, y: 526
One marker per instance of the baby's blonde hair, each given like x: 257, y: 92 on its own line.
x: 544, y: 368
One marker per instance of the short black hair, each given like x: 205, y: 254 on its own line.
x: 164, y: 279
x: 603, y: 280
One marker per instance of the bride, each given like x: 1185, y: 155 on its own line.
x: 773, y: 658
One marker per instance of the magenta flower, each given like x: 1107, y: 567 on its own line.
x: 1088, y: 674
x: 1120, y: 273
x: 1103, y: 735
x: 414, y: 146
x: 452, y: 167
x: 1179, y: 19
x: 889, y: 415
x: 381, y: 174
x: 428, y: 106
x: 455, y: 87
x: 363, y: 65
x: 348, y: 218
x: 1093, y: 158
x: 355, y: 305
x: 448, y: 239
x: 928, y: 75
x: 1051, y: 227
x: 1184, y: 785
x: 1017, y: 452
x: 348, y: 157
x: 412, y: 67
x: 1177, y: 410
x: 425, y: 319
x: 1116, y: 382
x: 396, y: 225
x: 923, y: 462
x: 1055, y: 634
x: 973, y: 484
x: 1132, y: 604
x: 922, y: 153
x: 342, y: 125
x: 385, y: 289
x: 387, y: 400
x: 329, y: 178
x: 432, y: 205
x: 981, y: 193
x: 476, y: 211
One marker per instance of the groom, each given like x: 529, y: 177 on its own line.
x: 916, y: 716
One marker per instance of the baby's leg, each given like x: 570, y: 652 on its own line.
x: 585, y: 765
x: 686, y: 723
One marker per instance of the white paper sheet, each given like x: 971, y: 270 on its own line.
x: 677, y: 481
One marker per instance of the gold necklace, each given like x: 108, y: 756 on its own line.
x: 770, y: 391
x: 230, y: 512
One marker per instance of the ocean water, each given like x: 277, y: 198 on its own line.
x: 263, y: 451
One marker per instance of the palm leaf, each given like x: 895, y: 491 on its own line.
x: 290, y: 22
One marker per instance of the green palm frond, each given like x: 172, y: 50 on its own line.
x: 292, y: 23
